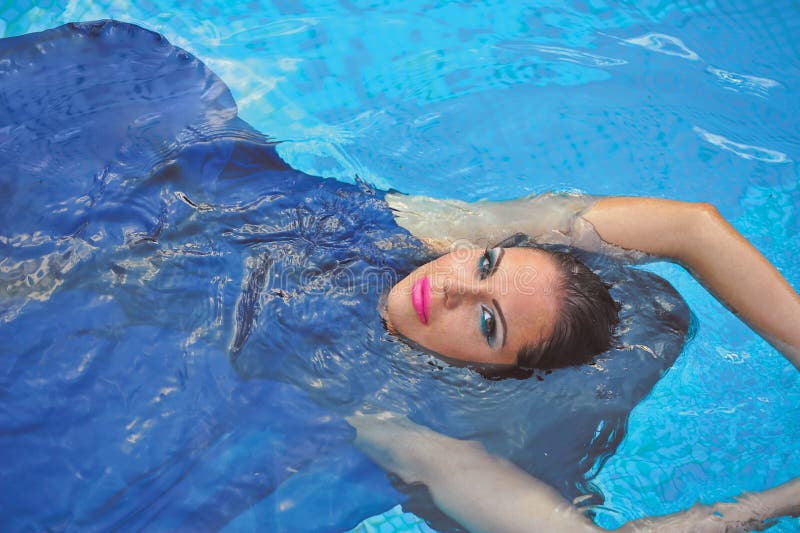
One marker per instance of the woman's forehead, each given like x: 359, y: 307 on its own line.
x: 530, y: 301
x: 532, y: 261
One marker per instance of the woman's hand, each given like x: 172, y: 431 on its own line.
x: 753, y: 511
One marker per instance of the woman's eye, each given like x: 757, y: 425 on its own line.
x: 488, y: 325
x: 486, y: 262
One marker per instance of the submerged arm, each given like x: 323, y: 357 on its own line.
x: 480, y: 491
x: 486, y: 493
x: 700, y: 239
x: 547, y: 218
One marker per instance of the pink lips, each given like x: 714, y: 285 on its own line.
x: 420, y: 298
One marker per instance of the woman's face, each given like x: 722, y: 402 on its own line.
x: 478, y: 306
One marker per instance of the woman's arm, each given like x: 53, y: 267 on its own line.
x: 485, y: 493
x: 547, y: 218
x: 696, y: 236
x: 480, y: 491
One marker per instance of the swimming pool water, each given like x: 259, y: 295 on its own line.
x: 686, y: 100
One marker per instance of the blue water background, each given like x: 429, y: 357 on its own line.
x: 686, y: 100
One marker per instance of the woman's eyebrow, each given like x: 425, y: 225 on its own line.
x: 502, y: 321
x: 500, y: 255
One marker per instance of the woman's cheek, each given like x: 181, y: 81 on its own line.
x: 452, y: 333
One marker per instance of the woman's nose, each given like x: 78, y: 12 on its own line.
x: 457, y: 292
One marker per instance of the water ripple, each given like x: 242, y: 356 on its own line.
x: 745, y: 151
x: 570, y: 55
x: 743, y: 82
x: 38, y: 277
x: 664, y: 44
x: 581, y: 58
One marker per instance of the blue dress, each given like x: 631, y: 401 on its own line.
x: 185, y: 319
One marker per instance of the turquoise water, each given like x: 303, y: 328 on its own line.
x: 695, y: 101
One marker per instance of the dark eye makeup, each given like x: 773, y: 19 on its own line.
x: 486, y: 266
x: 487, y: 262
x: 488, y: 325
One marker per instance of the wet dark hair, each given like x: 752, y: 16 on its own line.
x: 586, y: 319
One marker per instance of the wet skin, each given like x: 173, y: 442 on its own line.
x: 477, y: 306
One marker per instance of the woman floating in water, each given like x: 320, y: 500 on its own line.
x: 149, y: 232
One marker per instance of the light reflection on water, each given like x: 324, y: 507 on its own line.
x: 437, y: 101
